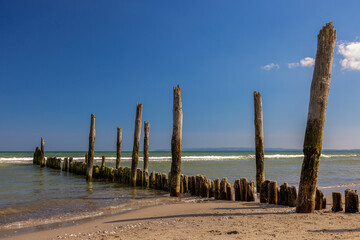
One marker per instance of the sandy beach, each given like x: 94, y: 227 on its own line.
x: 211, y: 220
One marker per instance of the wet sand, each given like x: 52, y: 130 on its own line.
x: 211, y: 220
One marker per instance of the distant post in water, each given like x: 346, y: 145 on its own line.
x: 259, y: 141
x: 118, y: 147
x: 42, y: 159
x: 146, y: 146
x: 90, y: 160
x: 316, y: 119
x: 176, y: 142
x: 135, y: 153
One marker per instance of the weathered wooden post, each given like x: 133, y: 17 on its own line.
x: 351, y: 201
x: 250, y: 191
x: 217, y: 194
x: 146, y: 145
x: 223, y: 189
x: 259, y: 140
x: 337, y: 202
x: 319, y: 198
x: 292, y: 196
x: 283, y: 197
x: 229, y: 192
x: 237, y: 190
x: 176, y: 142
x: 264, y: 192
x: 273, y: 192
x: 90, y: 160
x: 243, y: 189
x: 42, y: 157
x: 135, y: 153
x: 316, y: 118
x: 186, y: 184
x: 103, y: 158
x: 118, y: 147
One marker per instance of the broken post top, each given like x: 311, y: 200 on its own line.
x: 257, y: 93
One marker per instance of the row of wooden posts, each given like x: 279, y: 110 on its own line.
x: 308, y: 194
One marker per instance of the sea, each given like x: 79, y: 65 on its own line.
x: 33, y: 198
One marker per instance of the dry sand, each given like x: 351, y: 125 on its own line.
x: 212, y: 220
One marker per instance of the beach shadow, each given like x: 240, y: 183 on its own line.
x: 201, y: 215
x: 335, y: 230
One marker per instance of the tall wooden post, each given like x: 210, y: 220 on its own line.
x: 90, y: 160
x: 259, y: 141
x: 176, y: 142
x: 118, y: 147
x: 316, y: 118
x: 146, y: 145
x: 42, y: 158
x: 135, y: 153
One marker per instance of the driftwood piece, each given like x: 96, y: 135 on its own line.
x: 176, y: 141
x: 316, y: 119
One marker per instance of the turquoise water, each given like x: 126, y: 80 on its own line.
x: 28, y: 192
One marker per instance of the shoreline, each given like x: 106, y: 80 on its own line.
x: 209, y: 219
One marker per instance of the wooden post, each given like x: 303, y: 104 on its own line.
x: 250, y: 191
x: 90, y: 160
x: 118, y: 147
x: 223, y: 188
x: 264, y: 192
x: 319, y: 197
x: 103, y: 161
x: 237, y: 190
x: 272, y: 192
x: 283, y: 196
x: 212, y: 189
x: 165, y: 182
x: 176, y: 142
x: 292, y: 196
x: 42, y: 158
x: 337, y: 202
x: 186, y: 184
x: 243, y: 189
x: 181, y: 183
x: 205, y: 189
x: 135, y: 153
x: 316, y: 119
x: 324, y: 203
x: 86, y: 158
x: 146, y: 145
x: 351, y: 201
x: 259, y: 141
x: 193, y: 186
x: 229, y: 192
x: 217, y: 189
x: 152, y: 180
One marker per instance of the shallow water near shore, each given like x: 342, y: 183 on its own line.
x: 30, y: 195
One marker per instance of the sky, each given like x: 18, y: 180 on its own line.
x: 60, y: 61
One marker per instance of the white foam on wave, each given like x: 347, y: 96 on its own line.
x: 188, y: 158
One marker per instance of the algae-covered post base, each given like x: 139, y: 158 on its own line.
x: 90, y: 160
x: 316, y: 119
x: 259, y: 141
x: 176, y: 141
x: 118, y: 147
x: 135, y: 153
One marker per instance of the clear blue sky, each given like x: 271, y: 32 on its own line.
x: 60, y: 61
